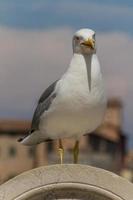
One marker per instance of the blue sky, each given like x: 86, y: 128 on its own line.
x: 41, y: 14
x: 33, y: 31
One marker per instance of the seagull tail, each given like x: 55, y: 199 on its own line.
x: 31, y: 139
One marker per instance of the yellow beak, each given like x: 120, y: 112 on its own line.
x: 90, y: 43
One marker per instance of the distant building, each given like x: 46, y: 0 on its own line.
x: 108, y: 142
x: 14, y: 157
x: 127, y: 171
x: 105, y: 148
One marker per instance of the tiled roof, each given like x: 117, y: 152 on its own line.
x: 14, y: 125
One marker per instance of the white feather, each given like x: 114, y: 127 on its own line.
x: 78, y: 108
x: 80, y: 102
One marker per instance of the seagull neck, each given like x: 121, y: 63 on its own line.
x: 83, y: 56
x: 82, y: 61
x: 81, y: 66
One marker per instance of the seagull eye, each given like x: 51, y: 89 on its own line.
x: 77, y: 38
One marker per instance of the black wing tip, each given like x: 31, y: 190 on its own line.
x: 20, y: 140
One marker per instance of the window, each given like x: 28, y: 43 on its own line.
x: 31, y: 152
x: 50, y: 147
x: 112, y: 147
x: 95, y: 142
x: 12, y: 151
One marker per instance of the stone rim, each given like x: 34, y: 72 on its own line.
x: 67, y: 174
x: 54, y: 188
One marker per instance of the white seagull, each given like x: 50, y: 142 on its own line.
x: 75, y: 104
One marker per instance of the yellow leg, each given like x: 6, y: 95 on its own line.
x: 61, y: 151
x: 76, y: 152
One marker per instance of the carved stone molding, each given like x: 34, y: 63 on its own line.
x: 67, y: 182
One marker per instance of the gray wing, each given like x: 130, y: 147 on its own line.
x: 47, y: 92
x: 43, y: 105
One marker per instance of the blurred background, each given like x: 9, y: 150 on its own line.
x: 35, y: 50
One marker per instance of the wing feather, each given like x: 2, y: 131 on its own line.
x: 43, y: 104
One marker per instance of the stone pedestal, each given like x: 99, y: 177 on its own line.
x: 67, y: 182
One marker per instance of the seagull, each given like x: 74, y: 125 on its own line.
x: 75, y: 104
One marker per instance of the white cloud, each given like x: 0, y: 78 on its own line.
x: 115, y: 51
x: 30, y: 61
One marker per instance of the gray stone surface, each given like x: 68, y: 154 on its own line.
x: 67, y: 182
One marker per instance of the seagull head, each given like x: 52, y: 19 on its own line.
x: 84, y: 42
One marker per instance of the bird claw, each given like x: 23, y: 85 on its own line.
x: 61, y: 155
